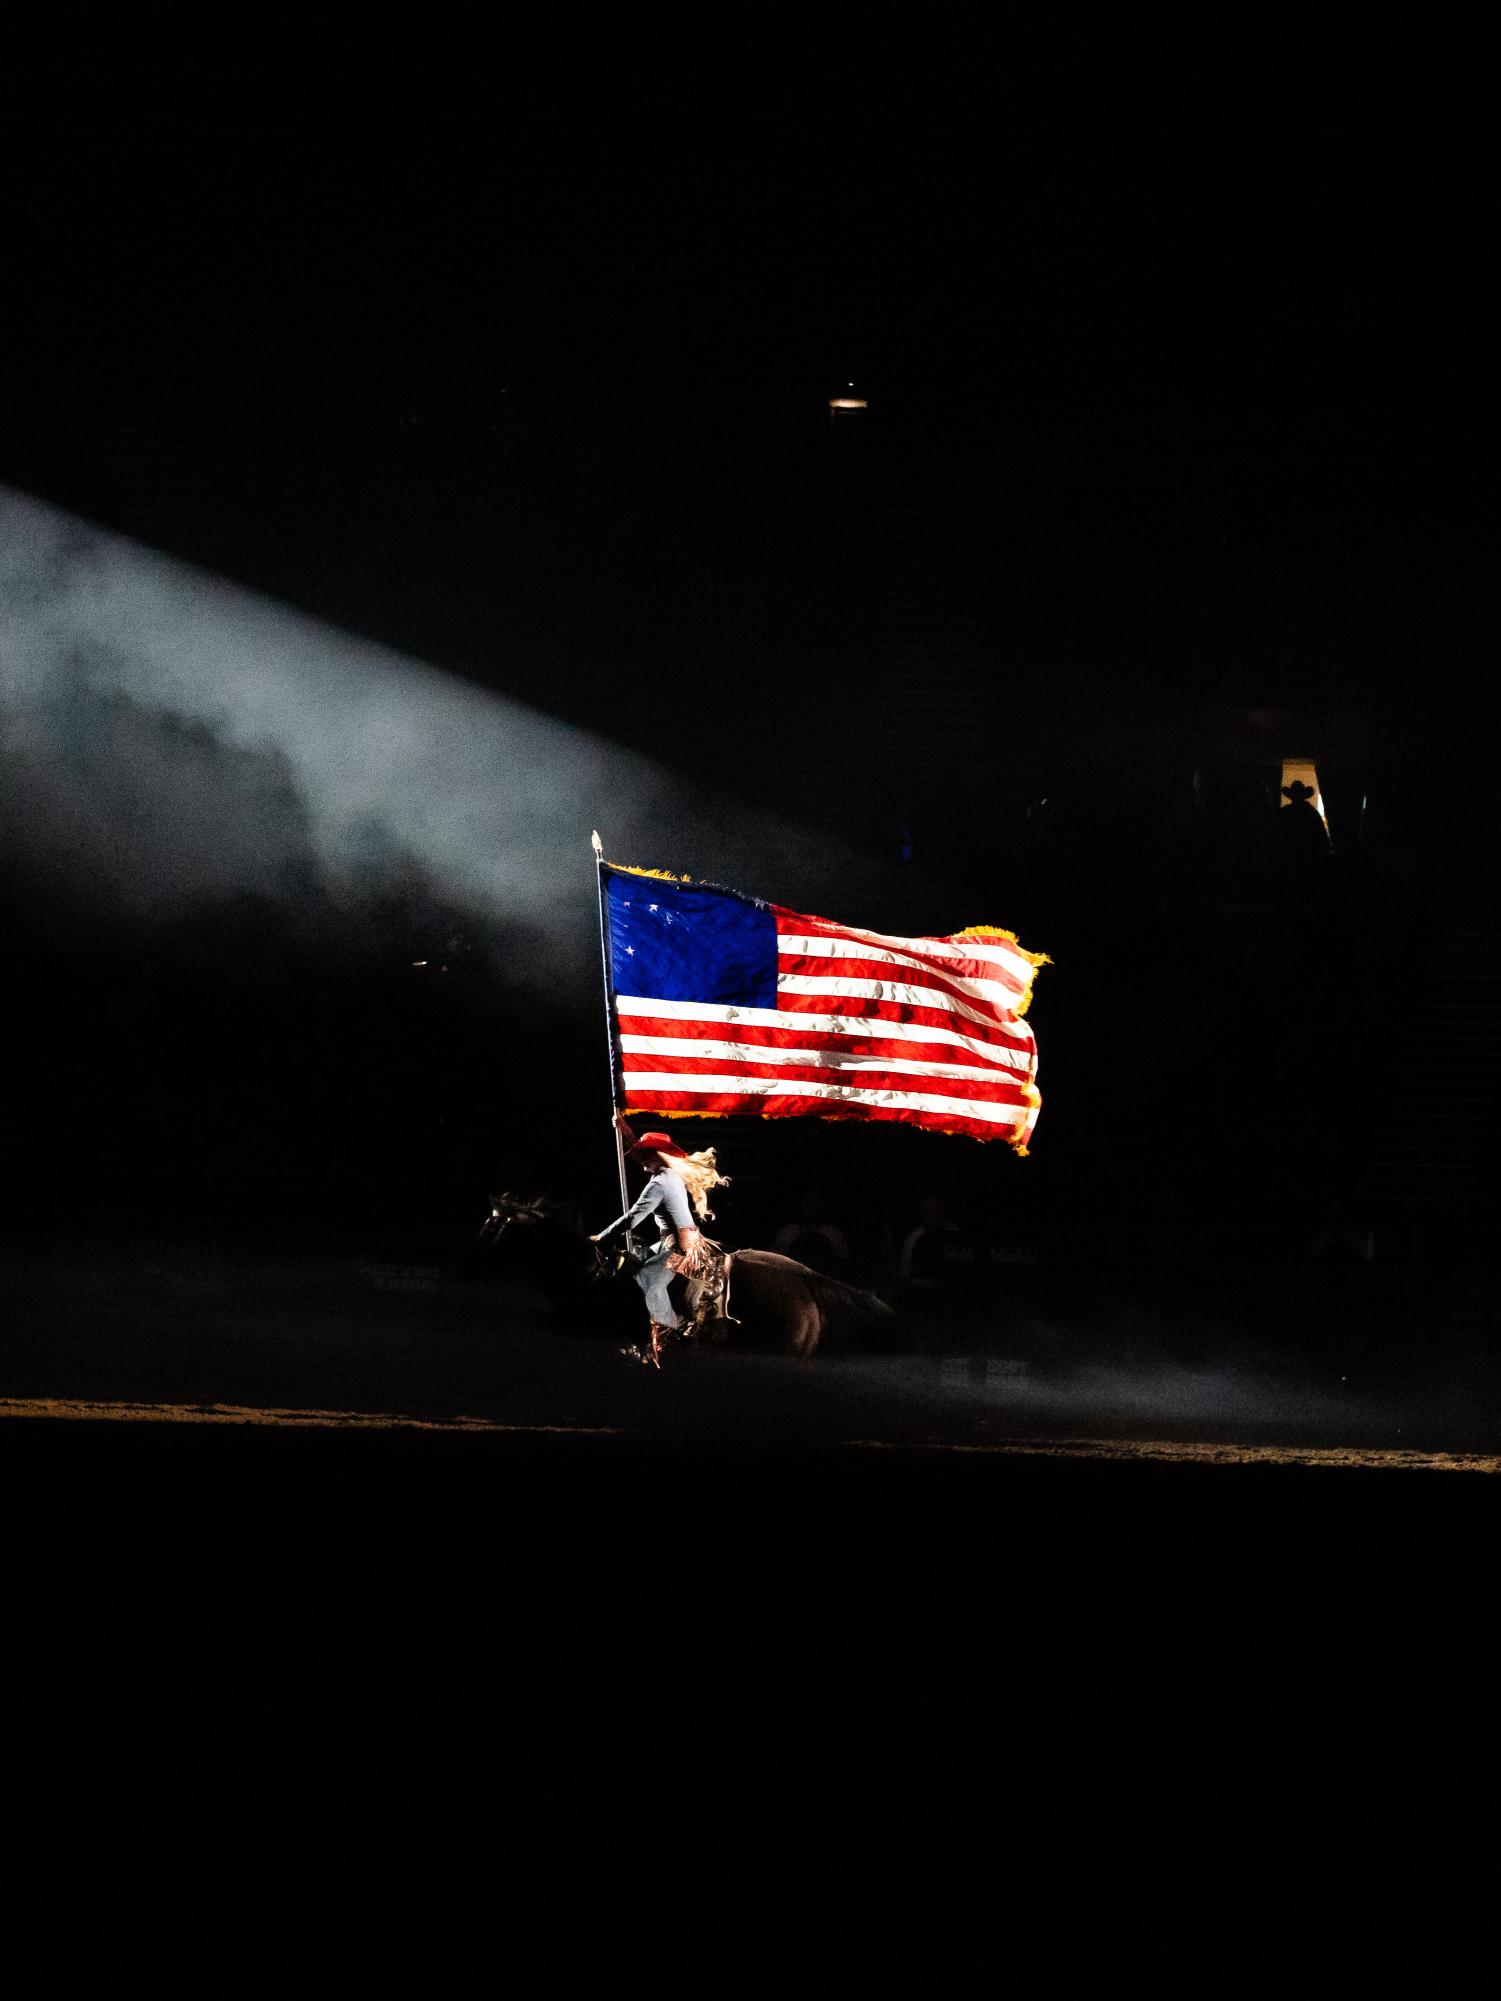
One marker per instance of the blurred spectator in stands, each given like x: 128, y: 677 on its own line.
x: 1239, y: 834
x: 934, y: 1271
x: 812, y: 1239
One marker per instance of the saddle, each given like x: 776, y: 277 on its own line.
x: 705, y: 1298
x: 706, y: 1292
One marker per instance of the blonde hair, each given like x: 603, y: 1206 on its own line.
x: 699, y: 1174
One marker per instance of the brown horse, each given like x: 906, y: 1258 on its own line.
x: 767, y: 1301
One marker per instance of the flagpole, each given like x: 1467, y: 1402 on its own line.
x: 604, y: 957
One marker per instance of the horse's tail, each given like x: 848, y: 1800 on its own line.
x: 846, y: 1305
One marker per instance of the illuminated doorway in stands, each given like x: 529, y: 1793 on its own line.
x: 1300, y: 770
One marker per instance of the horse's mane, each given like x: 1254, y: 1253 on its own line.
x: 560, y: 1210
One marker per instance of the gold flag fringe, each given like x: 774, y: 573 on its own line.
x: 651, y: 1112
x: 1010, y: 937
x: 658, y: 874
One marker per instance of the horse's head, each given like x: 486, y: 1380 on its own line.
x: 508, y: 1209
x: 540, y: 1230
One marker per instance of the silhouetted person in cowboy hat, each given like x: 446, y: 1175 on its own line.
x: 1301, y: 834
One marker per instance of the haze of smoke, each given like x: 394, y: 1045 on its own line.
x: 168, y: 736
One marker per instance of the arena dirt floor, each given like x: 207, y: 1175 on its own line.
x: 342, y: 1437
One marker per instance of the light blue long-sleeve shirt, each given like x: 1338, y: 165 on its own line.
x: 665, y: 1192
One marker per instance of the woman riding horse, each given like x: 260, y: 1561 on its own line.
x: 676, y: 1193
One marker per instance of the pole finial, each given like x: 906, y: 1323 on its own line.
x: 596, y: 843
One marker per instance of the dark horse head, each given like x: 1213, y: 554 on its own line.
x: 538, y: 1238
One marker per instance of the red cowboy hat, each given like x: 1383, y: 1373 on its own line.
x: 656, y: 1143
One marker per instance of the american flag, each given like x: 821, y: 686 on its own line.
x: 723, y: 1004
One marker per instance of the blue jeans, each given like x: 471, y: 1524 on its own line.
x: 654, y: 1278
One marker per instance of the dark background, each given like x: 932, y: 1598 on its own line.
x: 1176, y: 462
